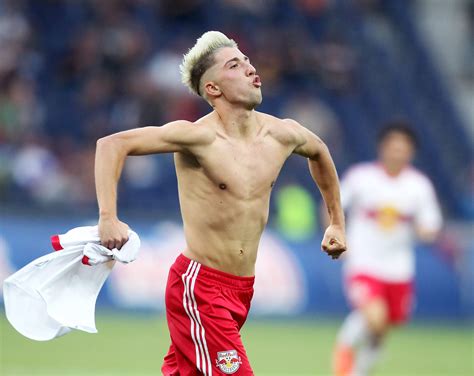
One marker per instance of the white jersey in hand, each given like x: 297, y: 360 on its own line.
x: 383, y: 212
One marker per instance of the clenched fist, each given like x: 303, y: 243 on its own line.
x: 334, y: 241
x: 112, y: 232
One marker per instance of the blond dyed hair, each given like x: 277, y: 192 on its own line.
x: 201, y: 57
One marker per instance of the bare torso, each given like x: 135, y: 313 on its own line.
x: 224, y: 192
x: 226, y: 165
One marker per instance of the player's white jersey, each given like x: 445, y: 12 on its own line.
x: 383, y: 213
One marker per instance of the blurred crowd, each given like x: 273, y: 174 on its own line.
x: 73, y: 71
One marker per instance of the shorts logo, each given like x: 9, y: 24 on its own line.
x: 228, y: 361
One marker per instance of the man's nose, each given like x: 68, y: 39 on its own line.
x: 250, y: 71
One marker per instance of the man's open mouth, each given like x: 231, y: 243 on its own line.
x: 256, y: 81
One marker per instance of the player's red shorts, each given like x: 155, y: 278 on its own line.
x: 205, y: 309
x: 362, y: 288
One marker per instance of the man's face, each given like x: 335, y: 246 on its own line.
x: 396, y: 150
x: 235, y: 77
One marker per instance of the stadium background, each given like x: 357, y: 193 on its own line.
x: 74, y: 71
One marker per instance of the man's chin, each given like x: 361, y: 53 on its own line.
x: 255, y: 102
x: 249, y: 103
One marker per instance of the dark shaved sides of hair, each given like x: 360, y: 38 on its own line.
x: 200, y: 68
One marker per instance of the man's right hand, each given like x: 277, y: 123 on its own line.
x: 112, y: 232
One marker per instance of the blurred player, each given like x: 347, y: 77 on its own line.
x: 226, y: 163
x: 389, y: 204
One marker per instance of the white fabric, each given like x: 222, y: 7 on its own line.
x: 57, y: 292
x: 88, y: 237
x: 383, y: 213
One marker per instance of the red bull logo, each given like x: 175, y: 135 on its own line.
x: 228, y: 361
x: 388, y: 217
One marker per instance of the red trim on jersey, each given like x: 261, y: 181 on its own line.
x: 374, y: 214
x: 56, y: 243
x: 85, y: 260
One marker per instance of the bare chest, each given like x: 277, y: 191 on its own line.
x: 244, y: 170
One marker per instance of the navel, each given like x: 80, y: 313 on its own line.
x: 222, y: 186
x: 273, y: 183
x: 241, y: 252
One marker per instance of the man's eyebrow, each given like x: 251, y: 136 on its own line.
x: 235, y: 59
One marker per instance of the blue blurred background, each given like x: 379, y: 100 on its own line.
x: 74, y: 71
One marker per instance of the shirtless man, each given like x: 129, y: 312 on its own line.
x: 226, y: 163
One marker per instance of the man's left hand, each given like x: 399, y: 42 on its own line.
x: 334, y: 241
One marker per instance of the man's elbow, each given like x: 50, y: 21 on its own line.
x: 113, y: 141
x: 106, y: 140
x: 321, y: 150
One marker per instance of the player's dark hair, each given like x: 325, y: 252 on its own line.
x: 398, y: 126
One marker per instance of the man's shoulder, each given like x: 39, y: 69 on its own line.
x: 202, y: 130
x: 415, y: 176
x: 284, y: 130
x: 361, y: 169
x: 276, y: 121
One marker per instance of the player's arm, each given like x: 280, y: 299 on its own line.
x: 111, y: 152
x: 428, y: 217
x: 323, y: 171
x: 347, y: 185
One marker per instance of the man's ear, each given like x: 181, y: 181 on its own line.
x: 212, y: 89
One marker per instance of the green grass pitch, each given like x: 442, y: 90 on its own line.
x: 135, y: 345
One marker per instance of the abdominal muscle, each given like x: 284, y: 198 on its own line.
x: 224, y: 236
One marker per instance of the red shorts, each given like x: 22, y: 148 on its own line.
x: 205, y: 309
x: 398, y: 296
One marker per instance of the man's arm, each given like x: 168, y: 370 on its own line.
x: 428, y: 217
x: 111, y: 152
x: 323, y: 171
